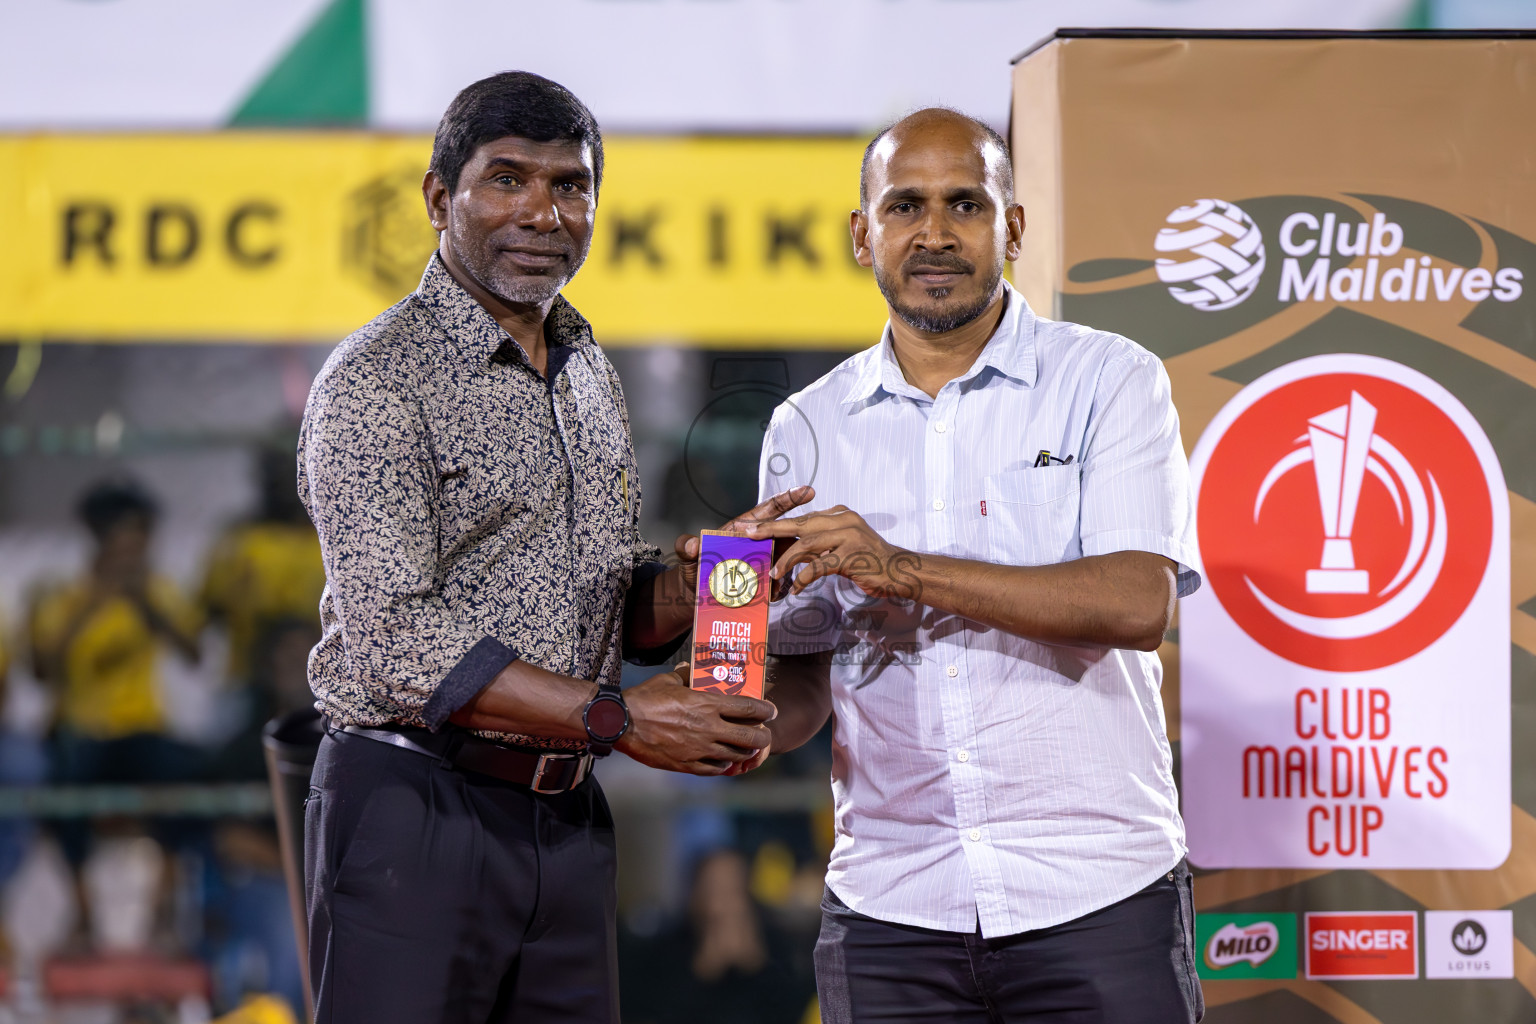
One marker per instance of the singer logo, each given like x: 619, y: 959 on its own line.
x: 1384, y: 945
x: 1376, y: 552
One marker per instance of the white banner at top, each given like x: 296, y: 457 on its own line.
x: 771, y: 65
x: 641, y: 65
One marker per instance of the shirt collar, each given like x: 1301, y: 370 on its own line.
x: 1010, y: 351
x: 473, y: 328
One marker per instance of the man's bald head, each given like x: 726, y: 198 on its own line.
x: 942, y: 119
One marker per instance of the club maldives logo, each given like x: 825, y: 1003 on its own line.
x: 1217, y: 254
x: 1344, y: 511
x: 1211, y: 254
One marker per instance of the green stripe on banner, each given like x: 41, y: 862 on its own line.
x: 321, y: 80
x: 1420, y: 14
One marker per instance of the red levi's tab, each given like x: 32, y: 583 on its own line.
x: 1380, y: 945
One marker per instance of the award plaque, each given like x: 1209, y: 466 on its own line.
x: 730, y: 620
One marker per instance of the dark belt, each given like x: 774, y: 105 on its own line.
x: 542, y: 773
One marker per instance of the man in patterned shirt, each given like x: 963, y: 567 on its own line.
x: 466, y: 459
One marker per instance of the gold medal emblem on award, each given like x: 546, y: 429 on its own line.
x: 733, y: 583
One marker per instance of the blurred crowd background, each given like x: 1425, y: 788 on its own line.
x: 159, y: 579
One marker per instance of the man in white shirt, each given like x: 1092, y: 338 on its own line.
x: 1005, y: 526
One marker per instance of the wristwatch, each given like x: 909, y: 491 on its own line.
x: 606, y: 718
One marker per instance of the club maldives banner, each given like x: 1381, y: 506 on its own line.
x: 1331, y: 243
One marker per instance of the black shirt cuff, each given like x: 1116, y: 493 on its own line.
x: 480, y: 664
x: 650, y: 655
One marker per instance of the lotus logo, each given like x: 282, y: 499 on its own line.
x: 1469, y: 938
x: 1253, y: 943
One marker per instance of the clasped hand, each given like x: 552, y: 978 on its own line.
x: 838, y: 542
x: 701, y: 732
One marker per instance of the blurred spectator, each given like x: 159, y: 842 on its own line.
x: 266, y: 572
x: 726, y: 960
x: 21, y: 762
x: 263, y: 584
x: 251, y: 945
x: 98, y: 642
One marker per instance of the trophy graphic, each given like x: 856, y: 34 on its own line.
x: 1340, y: 440
x: 1342, y: 446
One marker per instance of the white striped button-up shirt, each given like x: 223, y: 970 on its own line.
x: 979, y: 776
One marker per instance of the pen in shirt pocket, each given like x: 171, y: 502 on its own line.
x: 1045, y: 458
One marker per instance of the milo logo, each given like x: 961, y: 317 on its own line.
x: 1246, y: 945
x: 1233, y: 945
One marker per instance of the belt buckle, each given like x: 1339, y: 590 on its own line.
x: 544, y: 765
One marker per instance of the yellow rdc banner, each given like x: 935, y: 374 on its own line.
x: 306, y: 236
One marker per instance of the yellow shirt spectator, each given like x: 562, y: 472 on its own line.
x: 260, y: 574
x: 102, y: 651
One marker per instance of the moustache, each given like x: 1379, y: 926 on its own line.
x: 940, y: 261
x: 556, y: 241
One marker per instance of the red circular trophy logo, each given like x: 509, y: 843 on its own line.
x: 1343, y: 513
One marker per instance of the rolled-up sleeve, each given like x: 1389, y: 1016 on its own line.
x: 1135, y: 482
x: 369, y: 481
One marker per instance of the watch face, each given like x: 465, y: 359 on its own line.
x: 606, y: 717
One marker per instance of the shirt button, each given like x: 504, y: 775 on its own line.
x: 938, y: 504
x: 940, y: 427
x: 975, y: 835
x: 963, y: 756
x: 952, y: 671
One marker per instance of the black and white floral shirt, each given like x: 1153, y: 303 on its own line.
x: 470, y: 511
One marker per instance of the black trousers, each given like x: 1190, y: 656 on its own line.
x: 437, y: 895
x: 1129, y: 963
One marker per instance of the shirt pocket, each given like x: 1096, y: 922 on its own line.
x: 1032, y: 515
